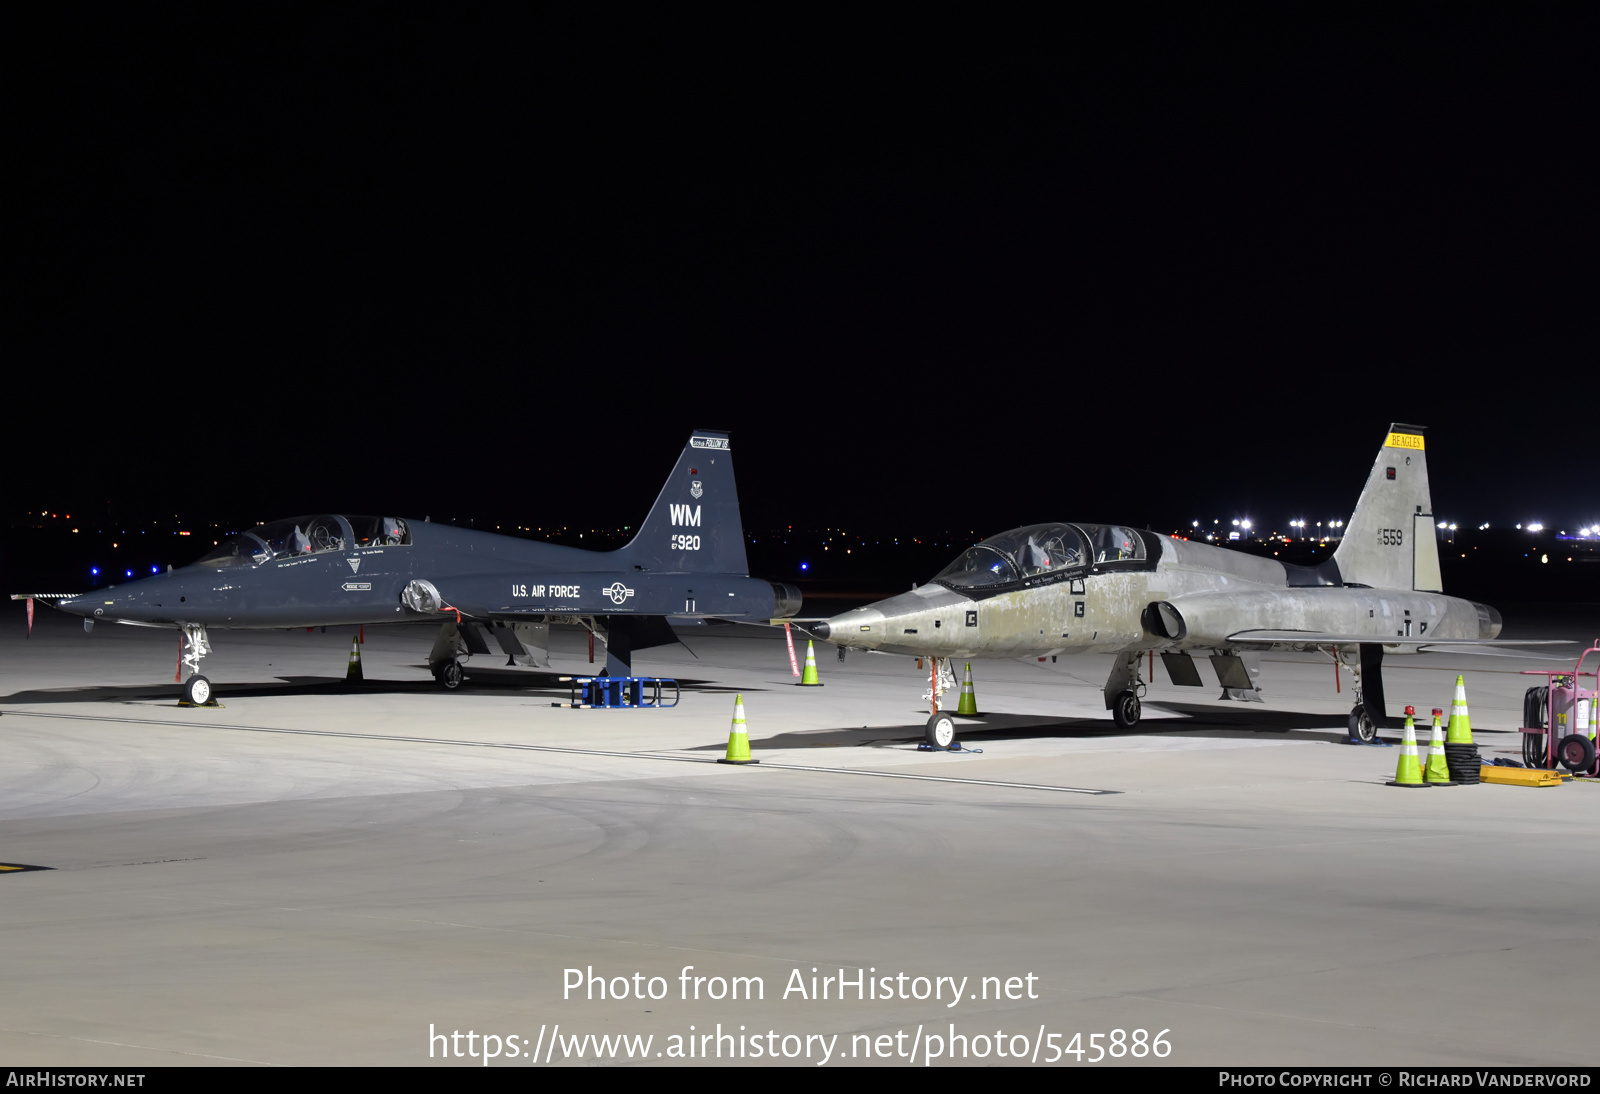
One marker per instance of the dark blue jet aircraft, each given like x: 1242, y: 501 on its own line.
x: 687, y: 563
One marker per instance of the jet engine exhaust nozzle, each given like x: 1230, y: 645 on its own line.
x: 786, y: 600
x: 1489, y: 621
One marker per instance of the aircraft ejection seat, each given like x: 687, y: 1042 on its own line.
x: 1032, y: 557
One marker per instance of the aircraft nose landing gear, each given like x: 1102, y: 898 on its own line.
x: 450, y: 674
x: 196, y: 689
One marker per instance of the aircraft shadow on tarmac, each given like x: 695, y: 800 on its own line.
x: 1197, y: 721
x: 541, y: 684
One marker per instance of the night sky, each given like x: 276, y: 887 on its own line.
x: 930, y: 270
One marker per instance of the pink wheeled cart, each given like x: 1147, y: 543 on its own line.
x: 1559, y: 718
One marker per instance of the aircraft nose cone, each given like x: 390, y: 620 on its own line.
x: 859, y: 627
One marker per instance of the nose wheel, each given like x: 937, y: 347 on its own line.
x: 450, y: 675
x: 197, y: 691
x: 941, y: 731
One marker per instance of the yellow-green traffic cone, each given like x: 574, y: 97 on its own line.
x: 352, y: 675
x: 969, y: 701
x: 1460, y: 729
x: 738, y: 739
x: 808, y: 679
x: 1438, y: 770
x: 1408, y: 772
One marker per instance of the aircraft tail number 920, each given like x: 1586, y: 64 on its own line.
x: 1391, y: 537
x: 685, y: 543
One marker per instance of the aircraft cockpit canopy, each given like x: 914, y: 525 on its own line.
x: 1021, y: 553
x: 303, y: 535
x: 1114, y: 543
x: 380, y: 532
x: 311, y: 535
x: 1043, y: 553
x: 240, y: 550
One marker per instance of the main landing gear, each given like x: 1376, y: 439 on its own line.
x: 1124, y: 688
x: 1361, y: 727
x: 1368, y: 674
x: 450, y: 675
x: 443, y: 660
x: 1125, y: 710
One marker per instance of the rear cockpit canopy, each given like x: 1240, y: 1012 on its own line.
x: 1114, y: 543
x: 1041, y: 553
x: 300, y: 536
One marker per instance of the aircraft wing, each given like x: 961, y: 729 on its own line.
x: 1320, y: 639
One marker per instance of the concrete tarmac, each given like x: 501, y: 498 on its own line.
x: 315, y: 874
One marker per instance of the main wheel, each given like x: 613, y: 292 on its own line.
x: 1575, y: 752
x: 450, y: 674
x: 197, y: 690
x: 941, y: 731
x: 1125, y: 711
x: 1361, y: 727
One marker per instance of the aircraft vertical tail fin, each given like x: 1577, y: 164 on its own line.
x: 1389, y: 541
x: 694, y: 525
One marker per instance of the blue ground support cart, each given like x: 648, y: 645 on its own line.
x: 622, y: 692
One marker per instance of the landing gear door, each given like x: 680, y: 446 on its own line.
x: 533, y: 638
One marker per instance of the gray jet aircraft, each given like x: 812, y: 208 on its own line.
x: 1051, y: 589
x: 686, y: 563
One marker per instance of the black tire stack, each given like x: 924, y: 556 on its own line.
x: 1464, y: 764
